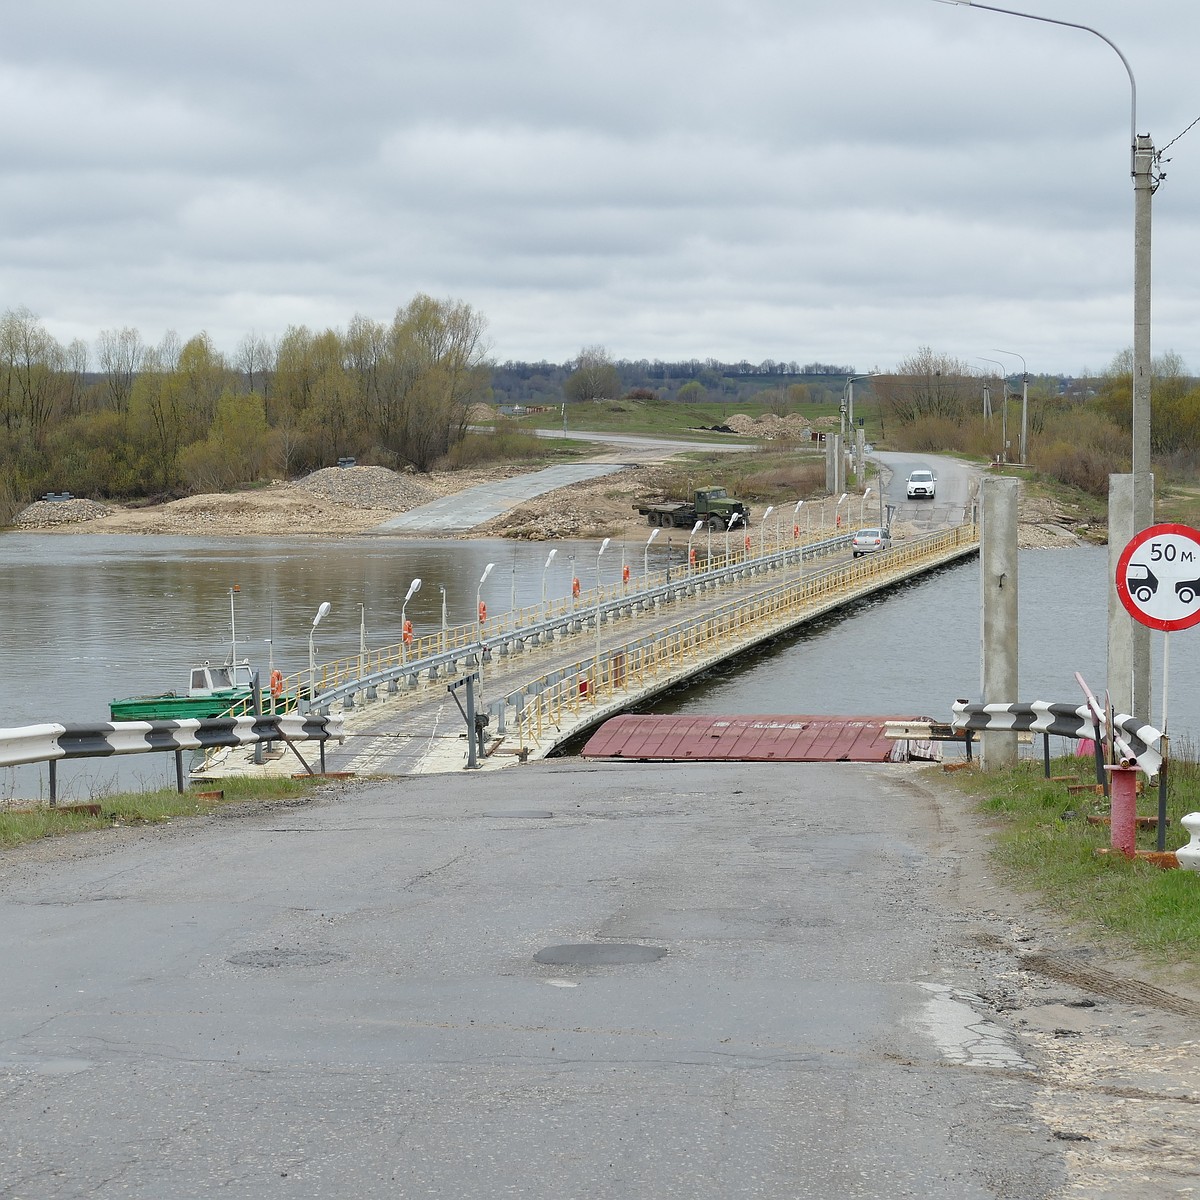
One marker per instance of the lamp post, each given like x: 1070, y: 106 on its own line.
x: 445, y: 626
x: 1024, y: 402
x: 479, y: 608
x: 848, y: 392
x: 322, y: 612
x: 545, y: 568
x: 599, y: 556
x: 646, y: 559
x: 862, y: 508
x: 1128, y: 642
x: 405, y: 634
x: 695, y: 530
x: 762, y: 530
x: 835, y: 510
x: 796, y: 525
x: 1003, y: 406
x: 728, y: 530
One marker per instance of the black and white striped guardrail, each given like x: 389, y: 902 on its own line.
x: 52, y: 742
x: 1135, y: 739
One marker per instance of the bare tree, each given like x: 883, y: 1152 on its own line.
x: 121, y: 353
x: 595, y: 376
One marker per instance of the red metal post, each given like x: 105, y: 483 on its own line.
x: 1123, y: 809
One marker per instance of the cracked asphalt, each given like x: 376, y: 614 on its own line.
x: 343, y: 998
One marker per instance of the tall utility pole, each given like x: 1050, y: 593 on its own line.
x: 1128, y: 640
x: 1024, y: 403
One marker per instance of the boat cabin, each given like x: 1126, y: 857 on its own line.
x: 207, y: 680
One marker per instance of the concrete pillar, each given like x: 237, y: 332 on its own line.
x: 1130, y: 510
x: 833, y: 464
x: 998, y: 605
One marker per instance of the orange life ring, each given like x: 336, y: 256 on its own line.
x: 482, y: 611
x: 747, y: 543
x: 575, y: 586
x: 692, y: 556
x: 625, y: 573
x: 408, y: 633
x: 277, y: 684
x: 795, y: 532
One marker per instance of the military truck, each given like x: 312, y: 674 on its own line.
x: 712, y: 505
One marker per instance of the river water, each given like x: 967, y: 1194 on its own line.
x: 87, y: 618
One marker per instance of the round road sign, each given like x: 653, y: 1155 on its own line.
x: 1158, y: 577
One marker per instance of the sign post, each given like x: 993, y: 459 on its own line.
x: 1158, y: 582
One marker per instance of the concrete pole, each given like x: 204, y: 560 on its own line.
x: 1128, y: 640
x: 860, y: 455
x: 1143, y: 188
x: 834, y: 464
x: 998, y: 615
x: 1143, y: 486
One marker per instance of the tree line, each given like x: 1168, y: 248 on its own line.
x: 181, y: 416
x: 1079, y: 432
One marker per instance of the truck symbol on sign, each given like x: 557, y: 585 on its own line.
x: 1187, y: 590
x: 1143, y: 583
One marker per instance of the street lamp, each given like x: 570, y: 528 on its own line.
x: 405, y: 628
x: 695, y: 530
x: 445, y: 627
x: 646, y: 558
x: 549, y: 560
x: 848, y: 395
x: 479, y: 608
x: 599, y: 556
x: 862, y: 508
x: 1024, y: 401
x: 835, y: 510
x: 1003, y: 405
x: 728, y: 530
x: 762, y: 530
x: 322, y: 612
x: 1128, y: 643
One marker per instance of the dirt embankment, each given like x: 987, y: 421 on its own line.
x: 351, y: 500
x: 345, y: 501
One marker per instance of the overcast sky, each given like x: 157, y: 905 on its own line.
x: 833, y: 180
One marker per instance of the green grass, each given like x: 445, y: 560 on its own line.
x: 142, y: 808
x: 1044, y: 844
x: 665, y: 418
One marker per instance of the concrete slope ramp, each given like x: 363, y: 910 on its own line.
x: 466, y: 510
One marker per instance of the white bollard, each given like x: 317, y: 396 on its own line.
x: 1189, y: 855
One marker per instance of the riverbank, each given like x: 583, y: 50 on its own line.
x: 349, y: 501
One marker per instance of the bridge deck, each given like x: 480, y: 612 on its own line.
x: 761, y: 738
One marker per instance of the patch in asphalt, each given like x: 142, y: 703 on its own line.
x: 275, y: 957
x: 598, y: 954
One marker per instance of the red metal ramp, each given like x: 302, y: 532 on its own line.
x: 765, y: 738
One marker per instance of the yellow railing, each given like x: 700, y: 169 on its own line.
x: 559, y: 697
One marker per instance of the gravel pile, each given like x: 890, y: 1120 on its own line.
x: 46, y: 514
x: 368, y: 487
x: 769, y: 426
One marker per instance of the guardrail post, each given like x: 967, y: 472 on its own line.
x: 53, y: 783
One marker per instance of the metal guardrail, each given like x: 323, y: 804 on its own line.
x: 657, y: 660
x: 50, y: 743
x: 345, y: 681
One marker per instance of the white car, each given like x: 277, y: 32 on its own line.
x: 922, y: 484
x: 868, y: 541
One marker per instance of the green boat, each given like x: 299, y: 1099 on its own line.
x: 211, y: 692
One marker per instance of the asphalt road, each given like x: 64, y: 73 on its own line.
x: 345, y: 998
x: 957, y: 488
